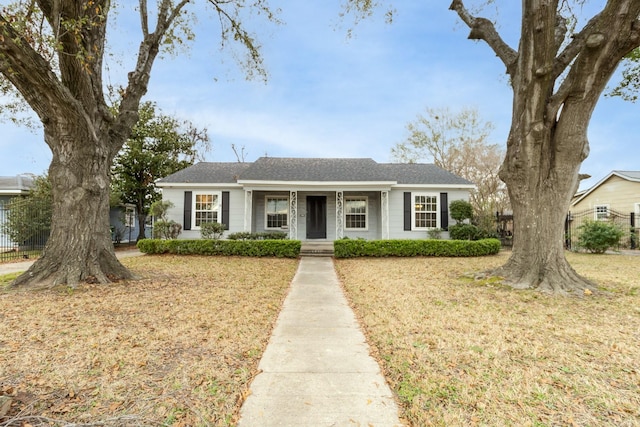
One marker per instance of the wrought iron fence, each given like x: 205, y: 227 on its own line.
x: 626, y: 222
x: 24, y: 228
x: 504, y: 228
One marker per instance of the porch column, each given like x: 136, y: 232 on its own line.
x: 384, y: 210
x: 293, y: 215
x: 248, y: 206
x: 339, y: 215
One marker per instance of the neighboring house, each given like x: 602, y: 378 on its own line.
x: 11, y: 186
x: 617, y: 192
x: 124, y: 223
x: 325, y: 199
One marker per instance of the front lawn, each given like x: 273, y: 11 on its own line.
x: 460, y: 352
x: 178, y: 347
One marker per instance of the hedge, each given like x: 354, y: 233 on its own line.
x: 347, y: 248
x: 254, y: 248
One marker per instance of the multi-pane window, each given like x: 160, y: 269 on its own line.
x: 425, y: 211
x: 355, y: 213
x: 130, y: 217
x: 277, y: 211
x: 206, y: 207
x: 602, y: 212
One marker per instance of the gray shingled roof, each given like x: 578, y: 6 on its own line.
x: 421, y: 173
x: 22, y: 183
x: 318, y: 170
x: 633, y: 175
x: 208, y: 173
x: 298, y: 169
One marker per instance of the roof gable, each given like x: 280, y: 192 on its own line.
x: 633, y: 176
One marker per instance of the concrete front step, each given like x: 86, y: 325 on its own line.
x: 319, y: 249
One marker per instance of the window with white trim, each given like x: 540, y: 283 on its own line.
x: 130, y: 217
x: 355, y: 212
x: 601, y: 212
x: 206, y: 208
x: 276, y: 212
x: 425, y: 211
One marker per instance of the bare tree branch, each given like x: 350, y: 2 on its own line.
x: 483, y: 29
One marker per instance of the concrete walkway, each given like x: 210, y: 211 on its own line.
x: 15, y: 267
x: 316, y: 370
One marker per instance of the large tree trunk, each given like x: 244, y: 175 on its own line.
x: 542, y: 180
x: 79, y: 248
x: 554, y: 94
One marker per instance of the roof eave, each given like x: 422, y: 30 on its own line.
x: 198, y: 185
x: 259, y: 183
x: 602, y: 181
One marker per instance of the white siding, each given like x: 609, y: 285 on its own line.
x: 236, y: 209
x: 374, y: 217
x: 374, y: 231
x: 396, y: 211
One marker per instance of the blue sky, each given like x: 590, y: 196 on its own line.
x: 330, y: 96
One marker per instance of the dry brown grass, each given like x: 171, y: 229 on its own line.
x: 461, y: 352
x: 178, y: 347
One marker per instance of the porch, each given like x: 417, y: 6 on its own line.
x: 318, y: 215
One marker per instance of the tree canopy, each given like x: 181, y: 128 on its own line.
x: 458, y: 142
x: 159, y: 145
x: 557, y: 71
x: 53, y: 53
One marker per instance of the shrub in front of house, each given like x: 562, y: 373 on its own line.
x: 464, y: 232
x: 598, y: 236
x: 347, y: 248
x: 252, y: 248
x: 264, y: 235
x: 211, y: 230
x: 166, y: 230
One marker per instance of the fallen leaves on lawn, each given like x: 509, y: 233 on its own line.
x: 463, y: 352
x: 177, y: 347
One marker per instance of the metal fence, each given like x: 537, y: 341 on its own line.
x: 626, y: 222
x: 24, y: 228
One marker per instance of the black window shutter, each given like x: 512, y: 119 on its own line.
x: 187, y: 211
x: 225, y: 209
x: 444, y: 211
x: 407, y: 211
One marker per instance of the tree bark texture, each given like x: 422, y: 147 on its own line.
x: 554, y: 94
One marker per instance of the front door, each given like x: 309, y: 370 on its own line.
x: 316, y: 217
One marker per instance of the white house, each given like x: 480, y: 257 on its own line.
x: 325, y: 199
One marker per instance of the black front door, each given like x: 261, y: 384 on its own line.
x: 316, y: 217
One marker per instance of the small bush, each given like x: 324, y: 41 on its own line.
x: 598, y: 236
x: 404, y: 248
x: 460, y: 210
x: 435, y: 233
x: 464, y: 232
x: 166, y: 230
x: 256, y: 248
x: 265, y: 235
x: 211, y: 230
